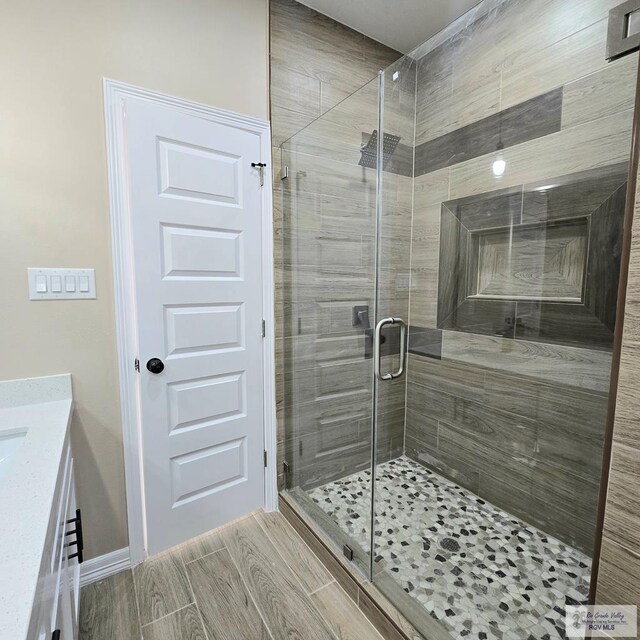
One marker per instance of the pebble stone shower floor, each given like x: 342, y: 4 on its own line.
x: 482, y: 571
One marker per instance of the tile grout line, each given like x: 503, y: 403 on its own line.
x: 324, y: 586
x: 206, y: 555
x: 195, y: 600
x: 249, y: 593
x: 193, y: 593
x: 166, y: 615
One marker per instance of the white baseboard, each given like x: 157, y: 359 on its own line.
x: 104, y: 566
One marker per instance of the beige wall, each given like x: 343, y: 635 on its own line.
x: 53, y: 187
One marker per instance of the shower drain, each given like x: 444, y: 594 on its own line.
x: 449, y: 544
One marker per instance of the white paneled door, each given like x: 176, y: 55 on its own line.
x: 195, y: 208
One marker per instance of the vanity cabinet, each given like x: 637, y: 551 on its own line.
x: 56, y: 603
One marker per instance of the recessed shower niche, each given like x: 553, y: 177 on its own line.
x: 535, y: 262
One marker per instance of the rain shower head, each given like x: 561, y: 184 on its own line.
x: 369, y: 151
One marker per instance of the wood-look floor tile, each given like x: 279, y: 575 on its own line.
x: 337, y: 570
x: 198, y: 547
x: 162, y: 586
x: 184, y: 624
x: 343, y: 615
x: 287, y: 610
x: 108, y: 609
x: 294, y: 551
x: 227, y: 609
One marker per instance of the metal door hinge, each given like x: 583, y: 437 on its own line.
x: 264, y: 328
x: 136, y: 364
x: 265, y: 458
x: 260, y: 166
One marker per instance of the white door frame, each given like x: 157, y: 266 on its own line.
x: 115, y: 95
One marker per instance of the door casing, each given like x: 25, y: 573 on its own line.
x: 115, y: 96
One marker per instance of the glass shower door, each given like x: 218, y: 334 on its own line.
x: 485, y: 518
x: 329, y: 310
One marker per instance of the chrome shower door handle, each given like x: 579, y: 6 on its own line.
x: 403, y: 348
x: 377, y: 342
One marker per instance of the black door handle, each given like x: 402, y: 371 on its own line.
x: 155, y: 365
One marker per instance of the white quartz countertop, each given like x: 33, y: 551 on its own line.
x: 42, y: 407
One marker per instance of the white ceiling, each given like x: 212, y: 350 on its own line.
x: 400, y: 24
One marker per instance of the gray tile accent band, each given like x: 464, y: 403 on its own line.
x: 532, y: 119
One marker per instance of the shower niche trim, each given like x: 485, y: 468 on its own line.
x: 535, y: 262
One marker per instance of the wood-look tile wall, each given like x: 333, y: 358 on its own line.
x: 619, y: 570
x: 521, y: 424
x: 329, y: 258
x: 316, y: 63
x: 324, y: 253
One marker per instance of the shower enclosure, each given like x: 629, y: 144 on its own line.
x: 450, y: 259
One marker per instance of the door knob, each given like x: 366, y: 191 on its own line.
x: 155, y: 365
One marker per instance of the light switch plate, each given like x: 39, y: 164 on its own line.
x: 62, y: 284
